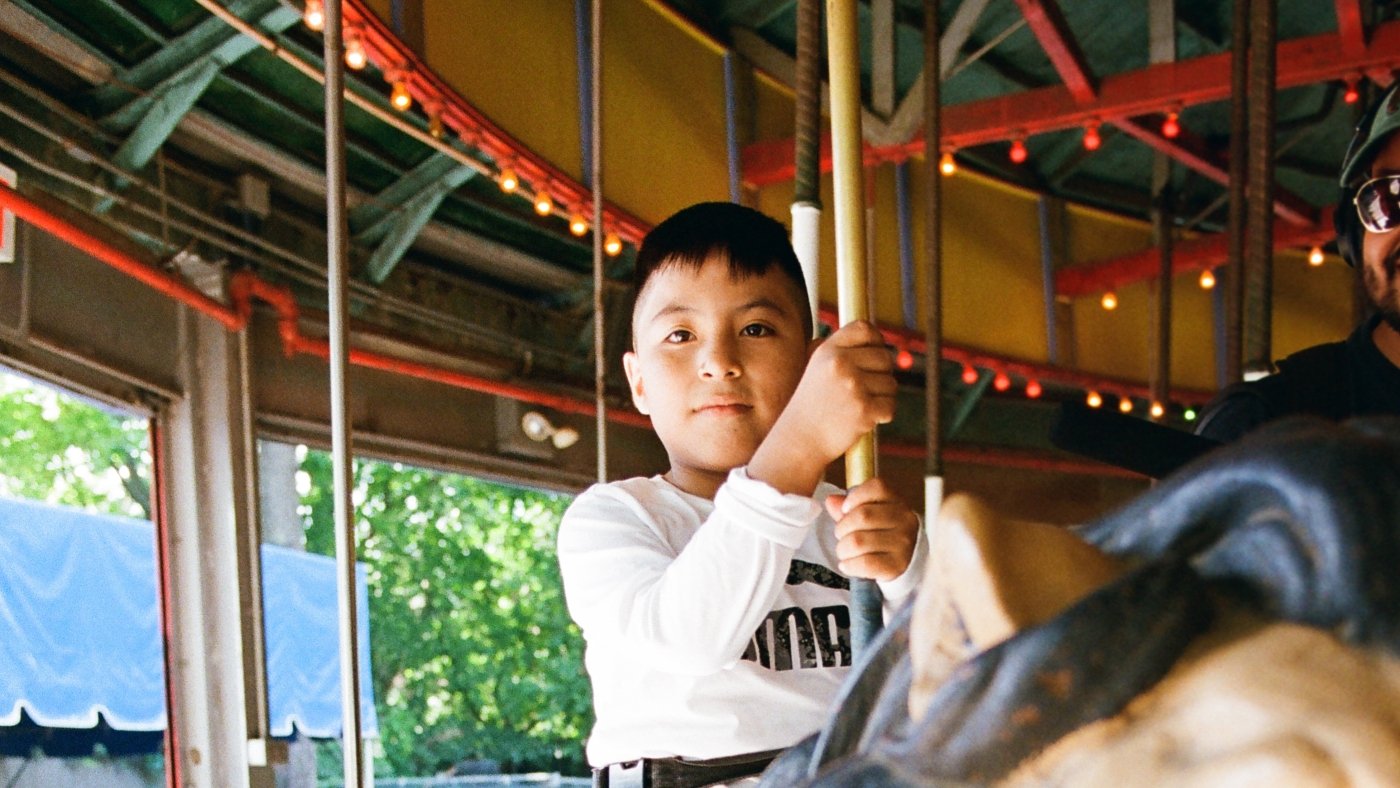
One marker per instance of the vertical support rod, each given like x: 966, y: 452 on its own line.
x: 1259, y: 226
x: 1218, y: 313
x: 806, y: 197
x: 1162, y: 228
x: 600, y: 361
x: 844, y: 63
x: 1047, y: 279
x: 933, y: 256
x: 902, y: 210
x: 1162, y: 49
x: 174, y: 757
x: 731, y: 126
x: 583, y: 59
x: 336, y: 286
x: 1239, y: 129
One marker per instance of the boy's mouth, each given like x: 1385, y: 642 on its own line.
x: 723, y: 407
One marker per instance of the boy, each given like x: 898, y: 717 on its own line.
x: 712, y: 597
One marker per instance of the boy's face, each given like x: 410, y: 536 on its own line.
x: 716, y: 360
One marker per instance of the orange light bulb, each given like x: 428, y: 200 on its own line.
x: 314, y: 15
x: 1207, y: 279
x: 1018, y: 153
x: 1171, y: 127
x: 578, y: 225
x: 969, y: 375
x: 904, y: 359
x: 1092, y: 140
x: 947, y: 164
x: 1001, y: 382
x: 1315, y: 257
x: 1109, y: 301
x: 544, y: 204
x: 612, y: 245
x: 1157, y: 410
x: 1033, y: 389
x: 1093, y: 399
x: 509, y: 180
x: 399, y: 96
x: 1125, y: 405
x: 355, y: 56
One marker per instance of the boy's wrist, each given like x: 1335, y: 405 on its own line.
x: 786, y: 464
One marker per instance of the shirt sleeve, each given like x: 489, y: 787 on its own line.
x: 898, y: 590
x: 692, y: 611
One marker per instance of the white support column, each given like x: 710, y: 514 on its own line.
x: 207, y: 479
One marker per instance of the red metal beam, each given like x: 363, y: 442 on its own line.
x: 1350, y: 27
x: 1301, y: 61
x: 1055, y: 38
x: 914, y: 342
x: 1191, y: 152
x: 1187, y: 256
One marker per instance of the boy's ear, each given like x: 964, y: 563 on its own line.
x: 632, y: 366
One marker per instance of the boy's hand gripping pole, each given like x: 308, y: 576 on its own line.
x: 852, y: 304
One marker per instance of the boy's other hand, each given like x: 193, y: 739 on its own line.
x: 876, y: 531
x: 847, y: 389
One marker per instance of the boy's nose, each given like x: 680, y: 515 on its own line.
x: 720, y: 361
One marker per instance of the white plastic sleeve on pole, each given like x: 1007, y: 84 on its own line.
x: 933, y: 499
x: 806, y: 241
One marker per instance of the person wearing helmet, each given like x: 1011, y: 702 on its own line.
x: 1360, y: 375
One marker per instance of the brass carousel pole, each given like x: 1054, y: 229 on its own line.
x: 844, y: 63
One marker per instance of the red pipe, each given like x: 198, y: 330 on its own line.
x: 1006, y: 458
x: 160, y: 281
x: 915, y: 343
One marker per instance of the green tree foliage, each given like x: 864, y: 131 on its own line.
x: 474, y: 655
x: 62, y: 450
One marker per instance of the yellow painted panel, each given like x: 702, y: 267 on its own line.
x: 382, y: 9
x: 663, y: 116
x: 515, y: 60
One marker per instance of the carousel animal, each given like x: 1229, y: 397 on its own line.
x: 1238, y: 624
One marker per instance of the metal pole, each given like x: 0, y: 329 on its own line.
x: 806, y: 197
x: 731, y: 126
x: 844, y: 63
x: 1239, y: 129
x: 1162, y: 49
x: 1259, y: 247
x: 600, y: 365
x: 933, y: 254
x: 337, y: 282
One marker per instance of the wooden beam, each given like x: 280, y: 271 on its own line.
x: 1055, y: 37
x: 1201, y: 80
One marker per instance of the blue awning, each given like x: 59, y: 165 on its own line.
x: 80, y: 644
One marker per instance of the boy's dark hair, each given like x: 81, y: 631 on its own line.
x: 753, y: 242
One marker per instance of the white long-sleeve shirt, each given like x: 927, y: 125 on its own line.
x: 713, y: 628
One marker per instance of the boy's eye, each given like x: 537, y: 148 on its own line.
x: 756, y: 330
x: 678, y: 336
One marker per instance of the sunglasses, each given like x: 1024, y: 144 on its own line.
x: 1378, y: 203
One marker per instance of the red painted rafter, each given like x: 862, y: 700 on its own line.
x: 1301, y: 61
x: 1187, y: 256
x: 1055, y: 38
x: 1350, y: 27
x: 1191, y: 152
